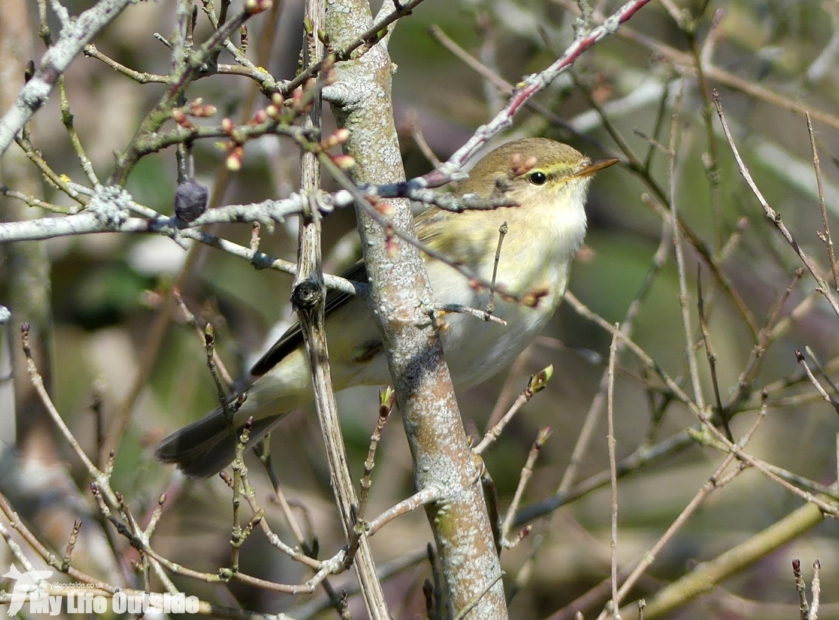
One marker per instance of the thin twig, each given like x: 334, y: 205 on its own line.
x: 597, y: 403
x: 637, y: 166
x: 31, y: 201
x: 387, y: 398
x: 492, y: 77
x: 641, y: 457
x: 680, y: 262
x: 716, y: 481
x: 773, y: 215
x: 484, y: 315
x: 189, y: 317
x: 709, y: 486
x: 683, y: 63
x: 816, y: 591
x: 709, y: 353
x: 799, y: 356
x: 526, y: 473
x: 773, y: 329
x: 537, y: 383
x: 419, y: 139
x: 821, y: 369
x: 502, y: 232
x: 69, y: 125
x: 610, y: 417
x: 825, y: 235
x: 801, y: 587
x: 720, y: 440
x: 37, y: 381
x: 138, y: 76
x: 509, y: 387
x: 529, y: 87
x: 250, y: 496
x: 428, y: 495
x: 712, y: 160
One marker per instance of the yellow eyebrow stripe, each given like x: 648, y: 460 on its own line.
x: 557, y: 171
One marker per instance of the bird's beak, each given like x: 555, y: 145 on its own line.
x: 595, y: 165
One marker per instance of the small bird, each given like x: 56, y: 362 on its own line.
x: 548, y: 181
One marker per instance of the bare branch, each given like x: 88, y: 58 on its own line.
x: 774, y: 216
x: 74, y: 36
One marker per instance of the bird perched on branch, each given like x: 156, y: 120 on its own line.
x: 548, y: 181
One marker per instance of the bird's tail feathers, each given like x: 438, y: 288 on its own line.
x: 205, y: 447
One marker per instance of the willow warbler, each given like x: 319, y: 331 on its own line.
x: 547, y: 180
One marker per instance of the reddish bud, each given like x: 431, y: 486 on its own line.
x: 297, y: 98
x: 260, y: 117
x: 339, y: 137
x: 252, y: 7
x: 181, y: 119
x: 199, y: 110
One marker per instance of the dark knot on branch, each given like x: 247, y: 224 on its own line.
x: 306, y: 295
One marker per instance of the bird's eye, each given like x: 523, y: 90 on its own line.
x: 538, y: 178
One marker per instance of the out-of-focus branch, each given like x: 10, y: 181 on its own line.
x: 822, y: 286
x: 74, y: 36
x: 27, y: 286
x: 708, y: 574
x: 686, y: 66
x: 716, y: 481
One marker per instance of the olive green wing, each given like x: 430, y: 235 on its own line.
x: 429, y: 224
x: 293, y: 337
